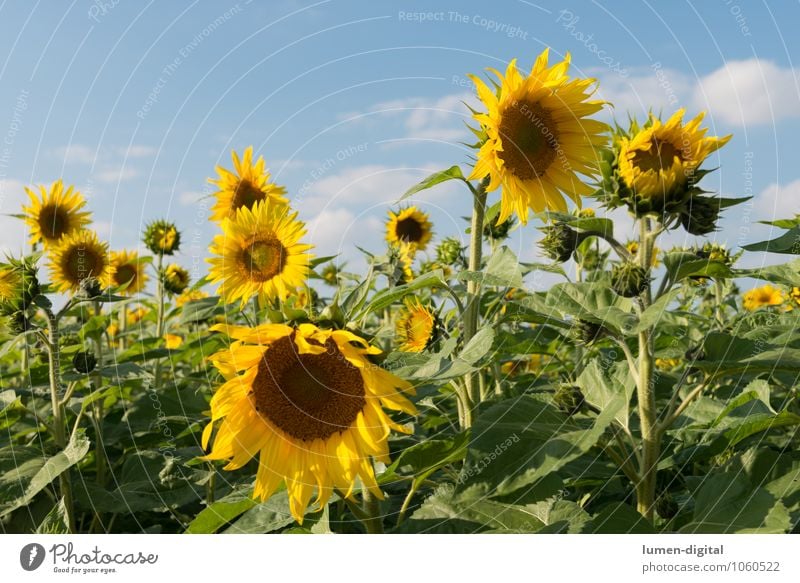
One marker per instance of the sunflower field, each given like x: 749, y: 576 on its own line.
x: 650, y: 389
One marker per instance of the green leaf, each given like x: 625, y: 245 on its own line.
x: 602, y: 226
x: 201, y: 310
x: 220, y: 513
x: 52, y: 468
x: 265, y: 517
x: 680, y: 265
x: 593, y: 302
x: 452, y: 173
x: 502, y: 270
x: 725, y: 503
x: 786, y: 273
x: 56, y: 521
x: 357, y: 296
x: 517, y: 442
x: 385, y: 298
x: 602, y: 386
x: 618, y: 518
x: 428, y: 456
x: 788, y: 243
x: 479, y: 346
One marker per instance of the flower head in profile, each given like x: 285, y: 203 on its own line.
x: 54, y: 213
x: 127, y: 272
x: 248, y: 184
x: 310, y: 404
x: 538, y: 141
x: 416, y: 327
x: 176, y: 279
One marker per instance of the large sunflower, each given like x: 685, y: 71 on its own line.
x: 248, y: 185
x: 128, y: 270
x: 410, y: 226
x: 762, y: 297
x: 538, y: 138
x: 78, y: 256
x: 259, y: 253
x: 310, y: 404
x: 662, y: 158
x: 416, y: 326
x: 54, y: 213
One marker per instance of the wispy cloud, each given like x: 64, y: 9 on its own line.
x: 113, y: 175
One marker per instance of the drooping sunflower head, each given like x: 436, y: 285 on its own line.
x: 248, y: 184
x: 762, y: 297
x: 77, y: 258
x: 410, y: 226
x: 310, y: 404
x: 162, y: 237
x: 538, y: 137
x: 176, y: 279
x: 659, y: 162
x: 54, y: 213
x: 416, y: 327
x: 259, y: 253
x: 127, y: 272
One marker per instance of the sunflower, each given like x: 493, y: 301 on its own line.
x: 794, y: 296
x: 538, y: 138
x: 660, y: 160
x: 416, y: 327
x: 127, y: 270
x: 162, y: 237
x: 249, y: 185
x: 310, y: 404
x: 667, y: 364
x: 54, y: 214
x: 190, y: 295
x: 410, y: 226
x: 9, y: 284
x: 172, y: 341
x: 77, y: 257
x: 176, y: 279
x: 259, y: 253
x: 136, y: 316
x: 763, y: 296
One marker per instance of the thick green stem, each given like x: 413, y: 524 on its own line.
x: 99, y: 409
x: 651, y: 438
x: 471, y: 394
x: 372, y: 521
x: 54, y: 362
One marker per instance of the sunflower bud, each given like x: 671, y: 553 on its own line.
x: 330, y: 274
x: 587, y: 332
x: 90, y: 288
x: 715, y: 252
x: 176, y: 279
x: 18, y: 322
x: 560, y: 242
x: 84, y: 362
x: 666, y: 507
x: 701, y: 215
x: 628, y: 279
x: 162, y: 237
x: 449, y: 251
x: 592, y: 259
x: 498, y: 232
x: 569, y: 399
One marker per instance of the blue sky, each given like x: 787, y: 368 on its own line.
x: 352, y: 102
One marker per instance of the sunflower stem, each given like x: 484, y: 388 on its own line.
x: 472, y: 311
x: 651, y: 438
x: 54, y: 364
x: 372, y: 521
x: 160, y: 316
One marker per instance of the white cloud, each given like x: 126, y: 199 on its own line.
x: 778, y: 201
x: 190, y: 197
x: 659, y: 90
x: 76, y: 154
x: 750, y: 92
x: 112, y: 175
x: 13, y: 236
x: 137, y: 151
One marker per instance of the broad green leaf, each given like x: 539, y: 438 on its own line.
x: 427, y: 456
x: 220, y: 513
x: 680, y: 265
x: 452, y: 173
x: 502, y: 270
x: 602, y: 386
x: 385, y: 298
x: 786, y: 273
x: 56, y: 521
x: 265, y: 517
x: 788, y: 243
x: 52, y: 468
x: 520, y: 441
x: 593, y: 302
x: 201, y: 310
x: 479, y: 346
x: 618, y: 518
x: 726, y: 503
